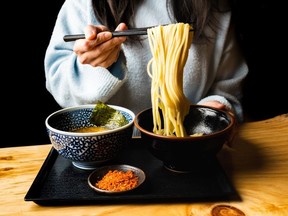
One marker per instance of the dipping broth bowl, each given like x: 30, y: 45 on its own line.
x: 183, y: 154
x: 87, y: 150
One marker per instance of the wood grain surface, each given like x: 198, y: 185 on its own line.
x: 256, y: 164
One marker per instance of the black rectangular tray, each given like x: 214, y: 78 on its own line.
x: 58, y: 182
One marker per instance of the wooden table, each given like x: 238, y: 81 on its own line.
x: 257, y: 165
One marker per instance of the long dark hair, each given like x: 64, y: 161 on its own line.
x: 199, y: 12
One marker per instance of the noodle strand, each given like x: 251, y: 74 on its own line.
x: 169, y: 45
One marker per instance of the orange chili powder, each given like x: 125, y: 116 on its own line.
x: 118, y: 181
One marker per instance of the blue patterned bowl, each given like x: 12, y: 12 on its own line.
x: 87, y: 150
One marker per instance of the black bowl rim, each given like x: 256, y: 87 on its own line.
x: 69, y: 133
x: 151, y: 134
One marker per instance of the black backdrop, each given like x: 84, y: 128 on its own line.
x: 26, y: 102
x: 262, y: 25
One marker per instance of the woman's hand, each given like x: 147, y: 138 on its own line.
x: 215, y: 104
x: 99, y: 48
x: 218, y: 105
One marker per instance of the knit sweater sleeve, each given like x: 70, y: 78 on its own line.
x: 230, y: 69
x: 70, y: 82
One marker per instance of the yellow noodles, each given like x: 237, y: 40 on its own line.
x: 169, y: 45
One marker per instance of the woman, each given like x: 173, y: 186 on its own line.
x: 114, y: 69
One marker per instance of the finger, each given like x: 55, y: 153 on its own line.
x: 91, y: 31
x: 121, y: 27
x: 83, y: 45
x: 108, y: 59
x: 102, y: 37
x: 100, y: 34
x: 107, y: 47
x: 90, y: 55
x: 116, y: 40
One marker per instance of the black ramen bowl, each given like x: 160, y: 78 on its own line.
x: 182, y: 154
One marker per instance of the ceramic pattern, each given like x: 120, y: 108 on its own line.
x: 90, y: 147
x: 98, y: 147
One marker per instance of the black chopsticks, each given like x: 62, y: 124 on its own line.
x: 128, y: 32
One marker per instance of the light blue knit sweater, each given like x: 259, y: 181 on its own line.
x: 213, y: 71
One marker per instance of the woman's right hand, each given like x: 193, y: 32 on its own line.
x: 99, y: 48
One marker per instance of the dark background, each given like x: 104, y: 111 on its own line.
x: 26, y: 102
x: 261, y: 26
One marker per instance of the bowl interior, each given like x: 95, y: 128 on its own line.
x: 69, y: 119
x: 201, y: 119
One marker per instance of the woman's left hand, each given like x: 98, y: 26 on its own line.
x: 218, y: 105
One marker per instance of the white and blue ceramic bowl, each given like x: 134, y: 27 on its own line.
x: 87, y: 150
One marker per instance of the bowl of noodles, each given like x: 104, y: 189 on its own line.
x: 87, y: 136
x: 206, y: 130
x: 179, y: 134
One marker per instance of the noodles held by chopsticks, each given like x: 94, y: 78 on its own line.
x: 169, y: 45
